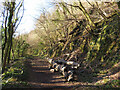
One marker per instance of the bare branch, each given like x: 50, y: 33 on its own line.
x: 21, y: 16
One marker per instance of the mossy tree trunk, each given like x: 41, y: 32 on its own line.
x: 9, y: 25
x: 86, y: 14
x: 10, y: 35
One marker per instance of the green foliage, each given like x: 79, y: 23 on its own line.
x: 107, y: 83
x: 103, y: 46
x: 15, y: 76
x: 20, y: 48
x: 113, y: 84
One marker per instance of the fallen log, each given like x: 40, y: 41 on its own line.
x: 52, y: 70
x: 61, y: 61
x: 73, y: 64
x: 62, y: 70
x: 66, y: 68
x: 50, y: 60
x: 57, y: 68
x: 69, y: 75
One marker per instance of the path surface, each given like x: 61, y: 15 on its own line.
x: 40, y: 76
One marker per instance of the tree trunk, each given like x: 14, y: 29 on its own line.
x: 10, y: 34
x: 86, y: 15
x: 5, y: 31
x: 5, y: 58
x: 9, y: 54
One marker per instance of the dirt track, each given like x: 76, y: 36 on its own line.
x: 40, y: 76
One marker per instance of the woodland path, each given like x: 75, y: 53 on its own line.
x: 41, y: 77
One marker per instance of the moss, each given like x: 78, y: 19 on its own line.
x: 15, y: 76
x: 113, y: 84
x: 102, y: 82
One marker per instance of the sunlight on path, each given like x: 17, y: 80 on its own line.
x: 40, y: 76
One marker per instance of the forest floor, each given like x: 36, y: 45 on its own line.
x: 41, y: 77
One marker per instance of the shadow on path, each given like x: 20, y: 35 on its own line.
x: 41, y: 77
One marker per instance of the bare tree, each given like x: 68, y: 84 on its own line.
x: 11, y: 21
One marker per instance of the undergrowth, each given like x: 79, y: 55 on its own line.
x: 15, y: 76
